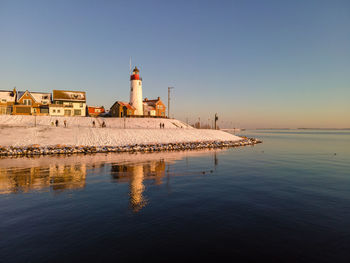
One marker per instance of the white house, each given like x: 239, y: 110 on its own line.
x: 68, y: 103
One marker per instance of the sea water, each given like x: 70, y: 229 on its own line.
x: 285, y: 200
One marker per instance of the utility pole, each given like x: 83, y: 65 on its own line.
x: 169, y: 88
x: 216, y: 119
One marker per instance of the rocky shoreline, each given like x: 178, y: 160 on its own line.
x: 12, y: 151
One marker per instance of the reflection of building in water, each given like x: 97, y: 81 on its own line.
x: 135, y: 174
x: 56, y: 177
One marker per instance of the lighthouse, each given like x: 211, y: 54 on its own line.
x: 136, y: 92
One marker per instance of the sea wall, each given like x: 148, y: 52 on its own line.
x: 63, y: 149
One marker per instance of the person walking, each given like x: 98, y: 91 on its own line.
x: 65, y: 124
x: 163, y: 125
x: 160, y: 125
x: 103, y: 124
x: 56, y: 123
x: 93, y: 124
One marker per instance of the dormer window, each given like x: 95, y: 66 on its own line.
x: 3, y: 100
x: 45, y: 97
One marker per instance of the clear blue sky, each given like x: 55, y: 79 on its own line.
x: 255, y: 63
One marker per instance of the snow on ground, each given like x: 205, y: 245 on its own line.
x: 20, y: 131
x: 133, y: 123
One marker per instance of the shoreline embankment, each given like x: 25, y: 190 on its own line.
x: 32, y: 150
x: 18, y: 137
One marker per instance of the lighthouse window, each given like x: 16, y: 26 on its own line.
x: 131, y: 88
x: 140, y: 83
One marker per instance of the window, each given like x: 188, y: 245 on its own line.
x: 3, y: 100
x: 54, y: 111
x: 58, y: 111
x: 44, y: 110
x: 44, y: 102
x: 77, y: 112
x: 139, y: 83
x: 81, y: 105
x: 23, y: 110
x: 27, y: 102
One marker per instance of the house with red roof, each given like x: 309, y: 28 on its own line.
x: 122, y: 109
x: 95, y: 111
x: 154, y: 107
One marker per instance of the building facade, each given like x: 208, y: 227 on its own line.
x: 68, y: 103
x: 7, y: 100
x: 32, y: 103
x: 154, y: 108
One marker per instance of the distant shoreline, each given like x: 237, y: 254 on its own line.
x: 325, y: 129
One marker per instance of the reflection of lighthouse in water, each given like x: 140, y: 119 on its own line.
x: 135, y: 174
x: 136, y: 92
x: 137, y: 187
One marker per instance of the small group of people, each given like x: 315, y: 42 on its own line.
x: 103, y: 125
x: 161, y: 125
x: 56, y: 123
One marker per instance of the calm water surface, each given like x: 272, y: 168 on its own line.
x: 286, y: 200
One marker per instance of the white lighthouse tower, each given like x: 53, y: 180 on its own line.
x: 136, y: 92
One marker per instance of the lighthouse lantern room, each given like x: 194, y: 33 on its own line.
x: 136, y: 92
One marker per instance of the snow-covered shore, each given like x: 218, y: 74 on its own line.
x: 48, y: 136
x: 119, y: 123
x: 19, y: 131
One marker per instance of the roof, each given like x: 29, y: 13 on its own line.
x: 20, y: 94
x: 41, y: 97
x: 125, y: 104
x: 96, y: 107
x: 151, y: 102
x: 38, y: 97
x: 69, y: 95
x: 7, y: 95
x: 136, y: 69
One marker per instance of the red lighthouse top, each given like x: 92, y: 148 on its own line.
x: 135, y: 74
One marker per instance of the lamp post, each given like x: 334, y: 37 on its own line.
x: 169, y: 88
